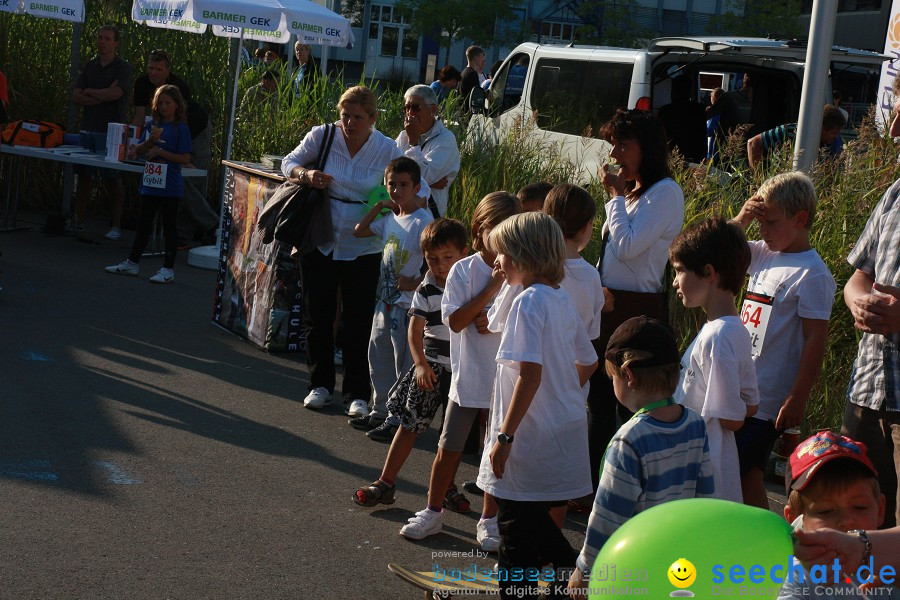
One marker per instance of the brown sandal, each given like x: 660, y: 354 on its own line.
x: 377, y: 493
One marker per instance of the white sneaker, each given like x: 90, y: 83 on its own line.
x: 487, y: 532
x: 126, y: 267
x: 113, y: 234
x: 317, y: 398
x: 426, y: 522
x: 164, y: 275
x: 358, y: 408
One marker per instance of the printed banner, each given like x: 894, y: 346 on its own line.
x: 885, y: 100
x: 258, y: 285
x: 167, y: 14
x: 66, y: 10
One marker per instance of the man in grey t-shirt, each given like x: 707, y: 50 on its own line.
x: 102, y: 90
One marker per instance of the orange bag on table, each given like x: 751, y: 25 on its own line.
x: 39, y: 134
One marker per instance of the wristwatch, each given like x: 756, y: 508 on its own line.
x: 504, y: 439
x: 867, y: 545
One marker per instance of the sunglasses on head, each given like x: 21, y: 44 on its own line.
x: 159, y: 55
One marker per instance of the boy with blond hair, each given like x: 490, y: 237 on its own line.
x: 661, y: 454
x: 786, y: 311
x: 718, y: 380
x: 834, y: 485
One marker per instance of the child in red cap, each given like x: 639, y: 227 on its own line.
x: 833, y: 484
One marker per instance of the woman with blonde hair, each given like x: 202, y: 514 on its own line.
x: 306, y: 73
x: 353, y: 169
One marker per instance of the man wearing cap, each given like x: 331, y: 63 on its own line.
x: 102, y: 90
x: 832, y: 483
x: 195, y: 215
x: 872, y: 411
x: 661, y: 454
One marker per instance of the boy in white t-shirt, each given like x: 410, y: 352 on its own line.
x: 401, y: 265
x: 786, y: 310
x: 536, y: 456
x: 718, y: 379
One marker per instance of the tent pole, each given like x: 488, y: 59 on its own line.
x: 235, y: 56
x: 71, y: 115
x: 234, y: 91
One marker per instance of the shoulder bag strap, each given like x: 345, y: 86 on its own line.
x: 325, y: 150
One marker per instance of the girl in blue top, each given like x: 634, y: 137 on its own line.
x: 167, y: 146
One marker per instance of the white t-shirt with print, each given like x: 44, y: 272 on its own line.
x: 549, y: 458
x: 784, y: 287
x: 472, y: 354
x: 581, y: 280
x: 718, y: 381
x: 402, y: 253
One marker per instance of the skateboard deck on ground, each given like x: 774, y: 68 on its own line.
x: 445, y: 584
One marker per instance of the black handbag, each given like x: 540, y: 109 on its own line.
x: 305, y: 220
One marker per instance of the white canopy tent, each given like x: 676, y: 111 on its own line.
x: 261, y: 20
x: 66, y: 10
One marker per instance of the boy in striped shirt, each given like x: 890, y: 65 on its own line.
x: 661, y: 454
x: 417, y: 396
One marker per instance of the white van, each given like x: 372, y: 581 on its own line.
x: 563, y: 94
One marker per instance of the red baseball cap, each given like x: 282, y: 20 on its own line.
x: 821, y: 448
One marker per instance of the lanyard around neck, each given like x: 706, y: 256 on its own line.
x: 654, y: 405
x: 644, y: 409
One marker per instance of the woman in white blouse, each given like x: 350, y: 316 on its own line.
x: 643, y: 216
x: 354, y: 168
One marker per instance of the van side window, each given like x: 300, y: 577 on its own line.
x: 578, y: 96
x: 507, y: 87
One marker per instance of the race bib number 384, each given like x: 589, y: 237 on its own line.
x: 155, y: 175
x: 755, y: 315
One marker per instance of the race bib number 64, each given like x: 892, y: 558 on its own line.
x: 755, y: 314
x: 155, y: 175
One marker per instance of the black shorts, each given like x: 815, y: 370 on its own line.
x: 755, y: 441
x: 414, y: 407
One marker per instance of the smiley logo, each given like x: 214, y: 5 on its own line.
x: 682, y: 573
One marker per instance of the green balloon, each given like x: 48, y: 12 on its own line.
x: 377, y: 195
x: 735, y: 550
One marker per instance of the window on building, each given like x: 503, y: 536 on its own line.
x: 389, y: 38
x: 410, y: 44
x: 577, y: 97
x: 393, y: 31
x: 845, y: 6
x: 552, y: 31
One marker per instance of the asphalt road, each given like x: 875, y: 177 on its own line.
x: 147, y: 454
